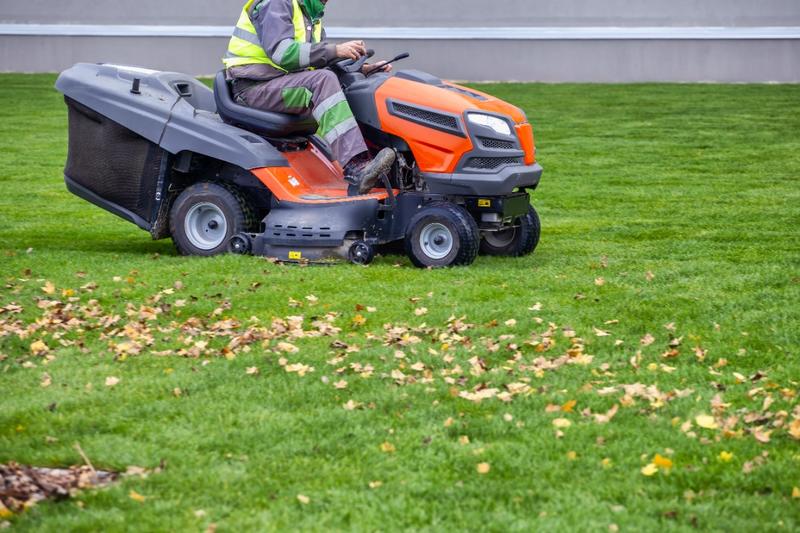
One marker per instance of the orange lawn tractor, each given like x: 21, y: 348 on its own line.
x: 163, y: 151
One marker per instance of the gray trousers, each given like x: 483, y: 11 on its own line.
x: 314, y: 93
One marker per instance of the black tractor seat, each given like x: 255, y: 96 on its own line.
x: 266, y: 123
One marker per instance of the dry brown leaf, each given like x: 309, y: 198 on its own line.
x: 599, y: 282
x: 421, y: 311
x: 46, y: 380
x: 647, y: 340
x: 341, y: 384
x: 252, y: 371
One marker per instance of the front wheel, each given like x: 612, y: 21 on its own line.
x: 518, y: 240
x: 204, y: 218
x: 442, y: 235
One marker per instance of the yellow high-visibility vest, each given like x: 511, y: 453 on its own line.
x: 245, y: 48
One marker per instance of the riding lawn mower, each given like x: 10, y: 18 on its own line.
x: 161, y: 150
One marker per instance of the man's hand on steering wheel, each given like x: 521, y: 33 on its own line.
x: 351, y: 50
x: 380, y: 66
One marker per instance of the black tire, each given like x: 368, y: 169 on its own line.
x: 453, y: 236
x: 517, y: 241
x: 225, y: 210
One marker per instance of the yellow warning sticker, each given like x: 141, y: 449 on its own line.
x: 483, y: 202
x: 295, y: 255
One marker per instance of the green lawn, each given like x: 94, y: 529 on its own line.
x: 668, y: 211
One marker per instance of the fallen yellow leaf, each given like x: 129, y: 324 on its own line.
x: 135, y: 496
x: 571, y: 455
x: 4, y: 511
x: 388, y: 447
x: 662, y: 462
x: 794, y: 429
x: 463, y: 440
x: 39, y: 348
x: 561, y: 423
x: 796, y: 493
x: 302, y: 498
x: 569, y: 406
x: 483, y: 468
x: 49, y: 288
x: 375, y: 484
x: 112, y: 381
x: 725, y: 457
x: 650, y: 470
x: 706, y: 421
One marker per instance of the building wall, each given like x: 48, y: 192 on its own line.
x: 571, y: 57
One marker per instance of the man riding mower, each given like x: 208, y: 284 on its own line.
x: 272, y: 61
x: 443, y: 168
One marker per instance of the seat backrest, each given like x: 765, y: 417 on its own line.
x: 266, y: 123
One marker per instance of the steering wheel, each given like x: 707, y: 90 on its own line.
x: 353, y: 65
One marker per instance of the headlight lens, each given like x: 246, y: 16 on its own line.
x: 497, y: 124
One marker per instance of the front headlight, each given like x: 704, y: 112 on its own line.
x: 497, y: 124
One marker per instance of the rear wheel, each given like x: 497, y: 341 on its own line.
x: 518, y: 240
x: 442, y: 235
x: 205, y: 216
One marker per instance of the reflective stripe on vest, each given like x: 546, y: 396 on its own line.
x: 290, y: 55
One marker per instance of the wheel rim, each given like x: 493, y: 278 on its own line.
x: 500, y: 239
x: 436, y: 240
x: 205, y: 226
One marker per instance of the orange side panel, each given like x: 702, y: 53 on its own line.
x: 525, y: 134
x: 310, y: 179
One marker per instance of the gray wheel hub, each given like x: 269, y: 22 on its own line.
x: 205, y: 226
x: 436, y: 240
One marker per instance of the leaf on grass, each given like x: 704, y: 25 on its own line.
x: 725, y: 457
x: 762, y: 436
x: 569, y: 406
x: 287, y: 347
x: 49, y: 288
x: 419, y: 311
x: 375, y: 484
x: 511, y: 322
x: 647, y: 340
x: 796, y: 493
x: 599, y: 282
x: 463, y: 440
x: 252, y: 371
x: 112, y: 381
x: 388, y: 447
x: 352, y: 405
x: 46, y: 380
x: 794, y: 429
x: 302, y: 498
x: 706, y: 421
x: 600, y: 332
x: 561, y: 423
x: 39, y: 348
x: 341, y: 384
x: 135, y: 496
x: 662, y: 462
x: 359, y: 320
x: 649, y: 470
x: 483, y: 468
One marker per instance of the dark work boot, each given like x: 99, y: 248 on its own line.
x: 364, y: 173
